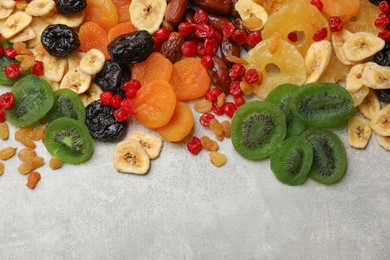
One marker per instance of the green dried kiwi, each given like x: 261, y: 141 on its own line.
x: 330, y: 157
x: 67, y: 104
x: 69, y: 140
x: 257, y: 128
x: 322, y: 104
x: 281, y: 96
x: 4, y: 61
x: 33, y: 99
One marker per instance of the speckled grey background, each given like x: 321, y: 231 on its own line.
x: 185, y: 208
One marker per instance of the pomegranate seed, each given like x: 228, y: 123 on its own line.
x: 318, y: 4
x: 212, y: 94
x: 188, y: 49
x: 205, y: 119
x: 239, y: 36
x: 217, y: 110
x: 292, y: 37
x: 38, y: 68
x: 207, y: 61
x: 251, y: 76
x: 228, y: 30
x: 2, y: 115
x: 320, y: 34
x: 335, y: 24
x: 10, y: 53
x: 200, y: 49
x: 239, y: 101
x: 201, y: 30
x: 1, y: 50
x: 116, y: 101
x: 382, y: 21
x: 7, y: 100
x: 211, y: 47
x: 134, y: 83
x: 157, y: 44
x: 253, y: 38
x: 235, y: 89
x: 229, y: 108
x: 385, y: 35
x: 201, y: 16
x: 120, y: 115
x: 12, y: 71
x: 185, y: 28
x: 218, y: 37
x: 194, y: 146
x: 162, y: 33
x: 384, y: 7
x: 236, y: 71
x: 127, y: 105
x: 105, y: 98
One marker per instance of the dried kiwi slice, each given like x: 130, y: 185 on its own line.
x: 322, y: 104
x: 67, y: 104
x: 257, y: 128
x: 330, y: 157
x: 69, y: 139
x: 281, y: 96
x: 33, y: 99
x: 292, y: 160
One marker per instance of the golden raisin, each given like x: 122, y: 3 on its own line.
x: 40, y: 49
x: 1, y: 168
x: 221, y: 99
x: 226, y: 128
x: 216, y: 127
x: 4, y: 131
x: 203, y: 106
x: 33, y: 179
x: 252, y: 23
x: 28, y: 62
x: 38, y: 162
x: 247, y: 89
x: 26, y: 154
x: 55, y: 163
x: 24, y: 139
x: 21, y: 48
x: 26, y: 167
x: 37, y: 133
x: 235, y: 59
x: 209, y: 144
x: 7, y: 153
x: 218, y: 159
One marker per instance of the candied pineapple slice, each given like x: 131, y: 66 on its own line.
x: 364, y: 20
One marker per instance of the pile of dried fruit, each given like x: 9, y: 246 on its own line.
x: 81, y: 68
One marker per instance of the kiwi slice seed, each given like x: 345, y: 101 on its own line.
x: 257, y: 128
x: 67, y: 104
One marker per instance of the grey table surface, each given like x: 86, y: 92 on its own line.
x: 185, y: 208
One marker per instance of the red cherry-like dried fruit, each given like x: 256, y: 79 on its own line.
x: 116, y: 101
x: 382, y: 21
x: 162, y: 33
x: 235, y: 89
x: 120, y: 115
x: 194, y: 146
x: 212, y: 94
x: 318, y: 4
x: 236, y: 71
x: 239, y: 101
x: 228, y: 30
x: 253, y: 38
x: 7, y: 100
x: 229, y: 108
x: 10, y: 53
x: 251, y: 76
x: 105, y: 98
x: 38, y: 68
x: 2, y: 115
x: 320, y: 34
x: 185, y: 28
x: 207, y: 61
x: 12, y: 71
x: 201, y: 16
x: 188, y: 49
x: 205, y: 119
x: 335, y: 24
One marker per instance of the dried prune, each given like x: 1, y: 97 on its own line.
x: 112, y: 76
x: 60, y: 40
x: 383, y: 57
x: 102, y: 124
x: 68, y: 7
x: 131, y: 48
x: 383, y: 95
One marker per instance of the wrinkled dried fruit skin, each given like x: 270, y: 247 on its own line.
x: 189, y: 16
x: 131, y: 48
x: 219, y: 74
x: 383, y: 95
x: 60, y: 40
x: 171, y: 48
x: 102, y: 124
x: 383, y: 57
x: 175, y: 11
x: 218, y: 21
x: 229, y: 47
x: 112, y: 76
x: 68, y: 7
x: 214, y: 6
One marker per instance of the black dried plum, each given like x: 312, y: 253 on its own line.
x: 112, y: 76
x: 383, y: 57
x: 131, y: 48
x: 383, y: 95
x: 102, y: 124
x: 68, y: 7
x: 60, y: 40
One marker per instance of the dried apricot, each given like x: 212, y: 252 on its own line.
x: 123, y: 10
x: 343, y: 9
x: 102, y: 12
x: 154, y: 68
x: 180, y: 124
x: 93, y: 36
x: 120, y: 29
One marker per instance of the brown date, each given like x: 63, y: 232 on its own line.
x: 171, y: 48
x: 175, y: 11
x: 219, y: 74
x: 214, y: 6
x: 218, y: 21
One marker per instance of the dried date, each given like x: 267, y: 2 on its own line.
x: 229, y: 47
x: 219, y: 74
x: 171, y: 48
x: 175, y: 11
x: 214, y: 6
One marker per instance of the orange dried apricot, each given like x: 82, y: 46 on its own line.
x: 154, y: 68
x: 344, y: 9
x: 102, y: 12
x: 119, y: 29
x: 180, y: 124
x: 190, y: 79
x: 93, y: 36
x: 123, y: 10
x: 155, y: 104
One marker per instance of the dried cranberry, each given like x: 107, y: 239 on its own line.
x: 253, y: 38
x: 335, y: 24
x: 38, y: 68
x: 251, y: 76
x: 382, y: 21
x: 7, y: 100
x: 207, y: 61
x: 201, y: 16
x: 211, y: 33
x: 205, y: 119
x: 228, y: 30
x: 194, y: 146
x: 116, y: 101
x: 239, y: 101
x: 2, y: 115
x: 185, y: 28
x: 127, y: 105
x: 292, y: 37
x: 217, y: 110
x: 212, y: 94
x: 1, y: 50
x: 134, y: 83
x: 188, y: 49
x: 131, y: 92
x: 12, y: 71
x: 201, y: 30
x: 105, y: 98
x: 162, y: 33
x: 229, y: 108
x: 239, y: 36
x: 236, y: 71
x: 385, y: 35
x: 218, y: 37
x: 120, y: 115
x: 211, y: 47
x: 320, y: 34
x: 10, y: 53
x: 200, y: 49
x: 157, y: 44
x: 318, y: 4
x: 235, y: 89
x: 384, y: 7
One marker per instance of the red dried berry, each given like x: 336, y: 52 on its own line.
x: 105, y: 98
x: 211, y: 47
x: 2, y: 115
x: 239, y: 101
x: 185, y: 28
x: 200, y: 49
x: 212, y: 94
x: 120, y: 115
x: 235, y: 89
x: 157, y: 44
x: 127, y: 105
x: 320, y: 34
x: 201, y: 16
x: 12, y: 71
x: 382, y: 21
x: 131, y: 92
x: 134, y: 83
x: 253, y: 38
x: 10, y: 53
x: 236, y: 71
x: 384, y: 7
x: 211, y: 33
x: 239, y: 36
x: 335, y: 24
x: 318, y: 4
x: 205, y: 119
x: 385, y: 35
x: 162, y: 33
x: 228, y: 30
x: 229, y: 108
x: 218, y: 37
x: 188, y: 49
x: 7, y: 100
x: 38, y: 68
x: 116, y: 101
x: 251, y: 76
x: 292, y: 37
x: 194, y: 145
x: 1, y: 50
x: 217, y: 110
x: 201, y: 30
x: 207, y: 61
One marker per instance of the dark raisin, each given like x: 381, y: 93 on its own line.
x: 383, y: 57
x: 102, y: 124
x: 112, y: 76
x: 68, y: 7
x: 383, y: 95
x: 131, y: 48
x: 60, y: 40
